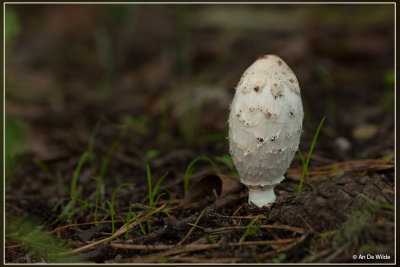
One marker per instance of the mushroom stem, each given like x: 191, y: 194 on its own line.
x: 262, y: 197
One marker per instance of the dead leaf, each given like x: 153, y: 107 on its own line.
x: 222, y: 184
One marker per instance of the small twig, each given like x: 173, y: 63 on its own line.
x: 78, y: 224
x: 321, y: 159
x: 336, y: 253
x: 274, y: 235
x: 357, y: 163
x: 121, y: 231
x: 315, y: 256
x: 234, y: 228
x: 202, y: 228
x: 174, y: 201
x: 191, y: 229
x: 282, y: 249
x: 178, y: 258
x: 295, y: 243
x: 142, y: 247
x: 235, y: 217
x: 14, y: 246
x: 192, y: 247
x: 261, y: 243
x: 62, y: 228
x: 173, y: 250
x: 237, y: 210
x: 343, y: 167
x: 307, y: 224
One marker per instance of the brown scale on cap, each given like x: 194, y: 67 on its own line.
x: 279, y: 63
x: 259, y: 140
x: 257, y: 88
x: 276, y: 91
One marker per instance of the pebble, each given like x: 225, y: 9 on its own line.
x: 365, y: 132
x: 343, y: 143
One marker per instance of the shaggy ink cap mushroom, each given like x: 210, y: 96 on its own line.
x: 265, y: 124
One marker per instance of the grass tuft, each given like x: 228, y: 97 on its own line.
x: 112, y: 211
x: 76, y: 173
x: 250, y: 230
x: 305, y: 164
x: 32, y: 235
x: 153, y: 197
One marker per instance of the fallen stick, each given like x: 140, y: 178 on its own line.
x: 233, y: 228
x: 191, y: 229
x: 120, y: 231
x: 169, y: 250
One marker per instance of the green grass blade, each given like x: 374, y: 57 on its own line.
x: 31, y: 233
x: 139, y: 223
x: 171, y: 198
x: 249, y: 230
x: 98, y: 191
x: 305, y: 168
x: 69, y: 206
x: 59, y: 202
x: 80, y: 201
x: 112, y: 216
x: 76, y: 173
x: 106, y: 159
x: 128, y: 220
x: 379, y: 204
x: 91, y: 142
x: 227, y: 159
x: 149, y: 185
x: 280, y: 258
x: 155, y: 189
x: 103, y: 169
x: 72, y: 212
x: 44, y: 168
x: 189, y: 170
x: 303, y: 163
x: 112, y: 202
x: 117, y: 189
x: 157, y: 199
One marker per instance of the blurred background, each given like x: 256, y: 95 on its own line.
x: 168, y: 72
x: 100, y: 91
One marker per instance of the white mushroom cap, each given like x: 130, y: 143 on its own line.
x: 265, y: 122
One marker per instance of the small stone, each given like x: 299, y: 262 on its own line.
x: 365, y: 132
x: 343, y: 144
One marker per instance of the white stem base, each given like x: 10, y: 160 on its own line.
x: 262, y: 198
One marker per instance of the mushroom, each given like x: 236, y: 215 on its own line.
x: 265, y: 124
